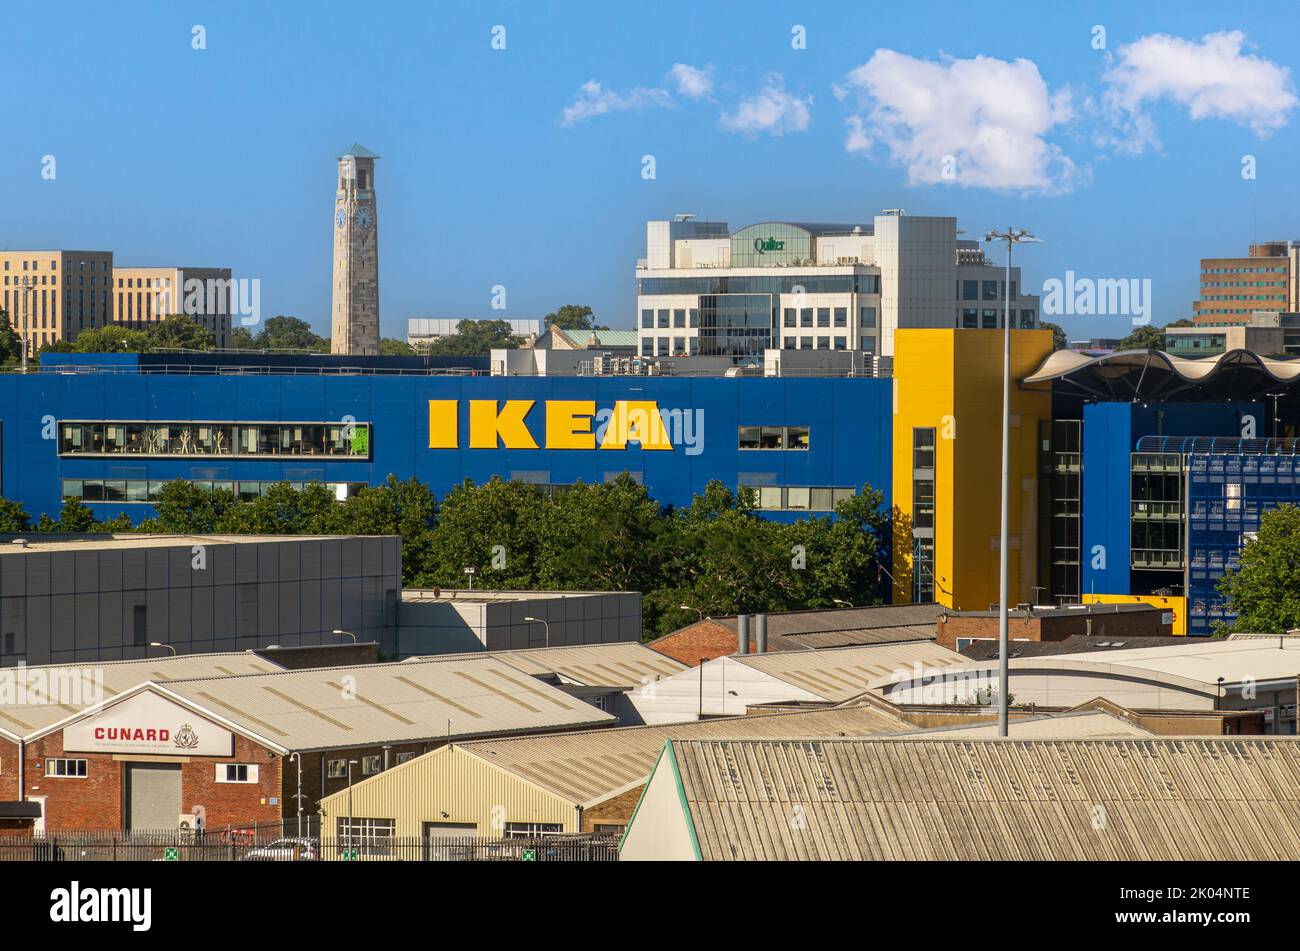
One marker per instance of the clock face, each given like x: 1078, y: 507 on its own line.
x: 340, y: 218
x: 365, y: 218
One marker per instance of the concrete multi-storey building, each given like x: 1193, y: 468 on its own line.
x: 53, y: 295
x: 143, y: 296
x: 355, y: 314
x: 1232, y: 289
x: 703, y: 290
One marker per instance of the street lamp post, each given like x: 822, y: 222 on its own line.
x: 351, y: 763
x: 1012, y: 237
x: 346, y: 634
x: 26, y: 285
x: 161, y: 644
x: 537, y: 620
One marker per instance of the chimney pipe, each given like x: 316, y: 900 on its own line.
x: 742, y: 633
x: 760, y: 633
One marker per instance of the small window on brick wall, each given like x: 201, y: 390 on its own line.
x: 236, y: 773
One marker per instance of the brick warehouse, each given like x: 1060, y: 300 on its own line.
x: 229, y: 749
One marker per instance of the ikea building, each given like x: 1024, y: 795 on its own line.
x: 1135, y: 476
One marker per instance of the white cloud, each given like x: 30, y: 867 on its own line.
x: 772, y: 109
x: 979, y: 122
x: 691, y: 82
x: 593, y: 100
x: 1212, y: 77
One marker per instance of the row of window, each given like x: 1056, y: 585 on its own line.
x: 65, y: 768
x: 774, y: 437
x: 54, y: 265
x: 789, y: 498
x: 1244, y: 270
x: 990, y: 318
x: 785, y: 284
x: 142, y: 490
x: 991, y: 290
x: 214, y: 439
x: 375, y: 837
x: 370, y: 765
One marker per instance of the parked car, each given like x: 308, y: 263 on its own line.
x: 285, y: 850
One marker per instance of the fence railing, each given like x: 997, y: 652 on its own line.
x: 273, y: 844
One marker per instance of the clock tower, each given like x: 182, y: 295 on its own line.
x: 355, y: 322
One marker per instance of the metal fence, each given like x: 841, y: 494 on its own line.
x: 274, y: 844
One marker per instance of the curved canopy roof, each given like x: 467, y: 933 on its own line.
x: 813, y: 228
x: 1147, y: 374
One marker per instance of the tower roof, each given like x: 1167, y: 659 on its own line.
x: 358, y: 151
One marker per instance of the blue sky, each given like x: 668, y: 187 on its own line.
x: 225, y: 156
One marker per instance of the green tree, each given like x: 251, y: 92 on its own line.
x: 391, y: 347
x: 178, y: 331
x: 1144, y: 338
x: 475, y: 338
x: 11, y: 345
x: 282, y: 510
x: 492, y: 528
x: 187, y: 509
x: 1059, y: 340
x: 1264, y: 589
x: 13, y: 517
x: 241, y: 339
x: 288, y: 333
x: 112, y: 338
x: 570, y: 317
x: 605, y: 537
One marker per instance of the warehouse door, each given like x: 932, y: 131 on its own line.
x: 449, y: 841
x: 153, y: 796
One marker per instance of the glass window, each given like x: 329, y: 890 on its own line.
x: 823, y: 316
x: 823, y: 343
x: 841, y: 316
x: 806, y: 317
x: 841, y: 343
x: 695, y: 317
x: 970, y: 317
x: 990, y: 320
x: 866, y: 316
x: 923, y: 448
x: 769, y: 497
x: 797, y: 497
x: 970, y: 290
x: 790, y: 317
x: 663, y: 318
x: 769, y: 437
x: 679, y: 317
x: 647, y: 318
x: 796, y: 437
x: 990, y: 290
x: 750, y: 437
x: 822, y: 500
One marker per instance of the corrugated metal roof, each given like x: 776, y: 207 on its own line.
x: 323, y: 709
x: 586, y: 767
x: 844, y: 672
x: 1079, y: 725
x: 53, y: 692
x: 844, y: 619
x: 1206, y: 799
x: 619, y: 664
x: 854, y: 637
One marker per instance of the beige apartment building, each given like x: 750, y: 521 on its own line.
x: 53, y: 295
x: 1234, y: 288
x: 142, y: 296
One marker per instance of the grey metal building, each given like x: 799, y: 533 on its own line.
x: 67, y: 598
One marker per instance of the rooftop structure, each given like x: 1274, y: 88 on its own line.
x: 927, y: 799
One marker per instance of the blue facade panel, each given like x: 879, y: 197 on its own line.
x: 850, y: 424
x: 1104, y: 548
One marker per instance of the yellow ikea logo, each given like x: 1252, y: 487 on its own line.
x: 570, y: 424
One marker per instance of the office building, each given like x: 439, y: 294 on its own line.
x: 704, y: 290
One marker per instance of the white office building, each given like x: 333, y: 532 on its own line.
x: 703, y: 290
